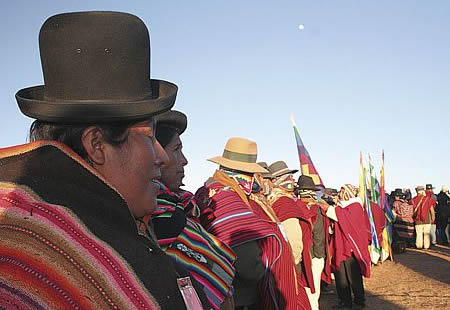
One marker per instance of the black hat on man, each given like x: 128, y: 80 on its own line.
x: 96, y: 68
x: 305, y: 182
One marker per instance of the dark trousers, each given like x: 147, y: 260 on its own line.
x: 348, y: 279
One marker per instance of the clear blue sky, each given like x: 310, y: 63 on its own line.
x: 362, y: 76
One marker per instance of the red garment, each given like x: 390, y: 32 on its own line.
x: 235, y: 221
x: 351, y: 236
x: 422, y: 206
x: 379, y: 220
x: 286, y: 271
x: 286, y: 208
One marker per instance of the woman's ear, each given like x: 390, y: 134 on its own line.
x: 94, y: 144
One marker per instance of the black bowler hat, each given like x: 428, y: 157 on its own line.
x: 398, y: 192
x: 429, y: 186
x: 172, y: 118
x: 96, y: 68
x: 305, y: 182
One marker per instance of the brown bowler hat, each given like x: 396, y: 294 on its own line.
x: 280, y: 168
x: 96, y: 68
x: 265, y: 175
x: 173, y: 118
x: 239, y: 154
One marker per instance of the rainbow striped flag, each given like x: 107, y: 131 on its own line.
x: 306, y: 164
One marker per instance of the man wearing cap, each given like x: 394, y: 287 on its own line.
x: 306, y: 191
x: 265, y: 270
x: 423, y: 215
x: 71, y: 200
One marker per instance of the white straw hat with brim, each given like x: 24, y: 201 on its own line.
x: 240, y: 154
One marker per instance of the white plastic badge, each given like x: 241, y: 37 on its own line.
x: 189, y: 294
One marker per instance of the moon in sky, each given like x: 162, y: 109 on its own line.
x: 301, y: 26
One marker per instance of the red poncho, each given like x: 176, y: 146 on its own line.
x: 228, y: 214
x: 351, y: 236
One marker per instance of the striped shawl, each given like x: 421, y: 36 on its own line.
x: 232, y: 217
x: 69, y: 241
x: 208, y: 260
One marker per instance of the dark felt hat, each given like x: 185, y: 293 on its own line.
x: 96, y: 68
x: 172, y: 118
x: 306, y: 182
x: 398, y: 192
x: 265, y: 175
x: 280, y: 168
x: 429, y: 186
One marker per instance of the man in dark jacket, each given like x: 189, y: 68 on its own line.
x: 442, y: 214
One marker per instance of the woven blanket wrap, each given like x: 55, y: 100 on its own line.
x: 229, y: 215
x: 69, y: 241
x: 208, y: 260
x: 351, y: 237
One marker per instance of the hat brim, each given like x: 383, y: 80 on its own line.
x: 276, y: 175
x: 33, y: 103
x: 238, y: 165
x: 174, y: 119
x: 311, y: 188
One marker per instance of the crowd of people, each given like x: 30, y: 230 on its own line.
x: 423, y: 220
x: 93, y: 214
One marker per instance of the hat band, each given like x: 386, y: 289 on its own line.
x: 281, y: 172
x: 246, y: 158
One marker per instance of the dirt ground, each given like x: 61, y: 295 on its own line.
x: 417, y: 279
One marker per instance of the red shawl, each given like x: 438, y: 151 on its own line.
x: 228, y: 214
x: 422, y: 206
x: 351, y: 236
x: 286, y: 208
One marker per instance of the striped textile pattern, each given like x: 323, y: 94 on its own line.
x: 235, y: 221
x: 49, y: 260
x: 208, y: 260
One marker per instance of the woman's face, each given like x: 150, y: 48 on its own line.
x: 132, y: 167
x: 172, y: 174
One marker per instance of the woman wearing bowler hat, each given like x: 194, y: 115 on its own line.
x: 71, y: 200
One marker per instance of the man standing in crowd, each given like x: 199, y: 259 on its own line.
x: 429, y: 192
x: 423, y: 217
x: 404, y: 223
x: 296, y: 218
x: 306, y: 191
x: 349, y: 246
x: 442, y: 214
x: 265, y: 270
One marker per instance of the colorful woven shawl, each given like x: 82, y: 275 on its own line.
x: 209, y: 260
x: 232, y: 217
x: 69, y: 241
